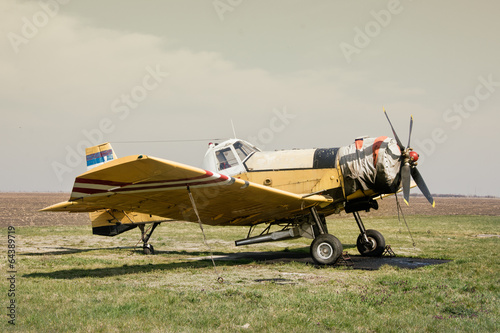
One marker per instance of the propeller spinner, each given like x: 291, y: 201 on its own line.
x: 409, y: 166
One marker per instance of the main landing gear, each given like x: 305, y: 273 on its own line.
x: 147, y: 248
x: 325, y: 248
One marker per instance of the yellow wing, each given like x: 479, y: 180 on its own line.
x: 159, y: 187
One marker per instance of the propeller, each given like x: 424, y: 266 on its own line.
x: 409, y: 166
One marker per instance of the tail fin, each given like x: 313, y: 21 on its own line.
x: 99, y: 155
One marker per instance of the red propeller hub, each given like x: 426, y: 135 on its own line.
x: 414, y: 156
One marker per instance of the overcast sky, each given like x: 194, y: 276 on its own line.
x: 289, y: 74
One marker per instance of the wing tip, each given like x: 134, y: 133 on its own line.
x: 58, y: 207
x: 69, y: 206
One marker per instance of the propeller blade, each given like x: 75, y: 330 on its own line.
x: 411, y: 127
x: 421, y: 185
x: 405, y: 177
x: 401, y: 147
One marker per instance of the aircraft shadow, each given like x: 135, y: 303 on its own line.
x: 203, y: 260
x: 59, y: 251
x: 352, y: 261
x: 68, y: 250
x: 70, y: 274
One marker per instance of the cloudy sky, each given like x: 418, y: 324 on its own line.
x: 289, y: 74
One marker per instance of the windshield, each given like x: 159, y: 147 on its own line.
x: 243, y: 150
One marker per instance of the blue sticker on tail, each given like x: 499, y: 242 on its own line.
x: 100, y: 157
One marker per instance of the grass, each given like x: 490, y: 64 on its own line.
x: 69, y: 280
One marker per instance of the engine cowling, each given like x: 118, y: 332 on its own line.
x: 371, y: 164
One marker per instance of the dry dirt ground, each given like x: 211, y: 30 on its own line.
x: 21, y: 209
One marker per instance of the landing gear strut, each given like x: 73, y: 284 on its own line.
x: 370, y: 242
x: 147, y: 248
x: 325, y: 248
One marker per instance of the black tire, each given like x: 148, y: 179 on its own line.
x: 148, y: 249
x: 376, y: 246
x: 325, y: 249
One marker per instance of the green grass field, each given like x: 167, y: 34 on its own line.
x: 69, y: 280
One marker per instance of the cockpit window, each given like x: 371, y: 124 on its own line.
x: 243, y: 150
x: 226, y: 158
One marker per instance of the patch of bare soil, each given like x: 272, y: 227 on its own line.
x: 22, y: 209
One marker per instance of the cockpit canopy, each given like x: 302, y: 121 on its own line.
x: 227, y: 158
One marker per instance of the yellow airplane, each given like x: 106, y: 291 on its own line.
x: 239, y: 185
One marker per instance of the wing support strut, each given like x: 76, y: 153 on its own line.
x: 193, y: 203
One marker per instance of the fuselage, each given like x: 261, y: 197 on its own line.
x: 370, y: 165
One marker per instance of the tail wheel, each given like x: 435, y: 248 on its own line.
x: 148, y: 249
x: 325, y: 249
x: 374, y: 247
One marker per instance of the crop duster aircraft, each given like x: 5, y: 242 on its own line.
x: 240, y: 185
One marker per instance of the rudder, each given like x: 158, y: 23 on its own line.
x: 99, y: 155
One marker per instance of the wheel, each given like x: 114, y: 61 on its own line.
x: 375, y: 246
x: 148, y: 249
x: 325, y: 249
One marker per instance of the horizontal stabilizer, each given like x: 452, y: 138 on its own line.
x: 112, y: 222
